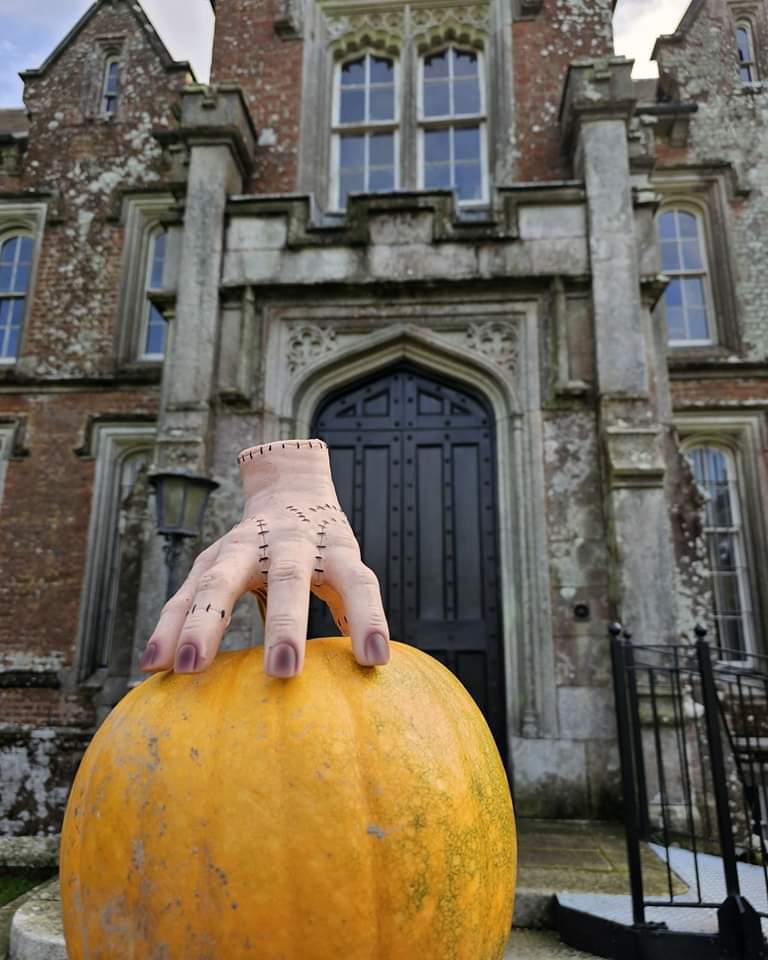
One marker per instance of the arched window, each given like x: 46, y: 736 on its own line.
x: 364, y: 142
x: 110, y: 89
x: 16, y: 254
x: 715, y: 471
x: 687, y: 299
x: 745, y: 44
x: 452, y: 146
x: 154, y: 325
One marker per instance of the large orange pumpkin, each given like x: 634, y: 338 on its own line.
x: 347, y: 814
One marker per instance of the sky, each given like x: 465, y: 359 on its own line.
x: 30, y: 29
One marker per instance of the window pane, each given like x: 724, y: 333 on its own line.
x: 464, y: 64
x: 6, y: 273
x: 382, y: 70
x: 437, y: 175
x: 676, y: 323
x: 687, y: 224
x: 352, y: 106
x: 350, y: 183
x: 742, y: 41
x: 746, y: 74
x: 113, y: 77
x: 159, y: 241
x: 382, y: 150
x: 667, y: 229
x: 670, y: 255
x: 155, y: 332
x: 11, y: 346
x: 381, y: 179
x: 353, y: 72
x: 691, y: 255
x: 729, y: 601
x: 352, y: 152
x: 469, y: 181
x: 382, y: 103
x: 437, y: 102
x: 437, y: 146
x: 698, y: 327
x: 694, y: 291
x: 436, y: 65
x: 466, y: 97
x: 466, y: 143
x: 673, y: 295
x: 724, y: 549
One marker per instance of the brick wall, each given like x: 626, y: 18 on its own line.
x: 247, y: 51
x: 543, y: 46
x: 731, y: 125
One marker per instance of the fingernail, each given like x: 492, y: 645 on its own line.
x: 376, y: 649
x: 282, y: 661
x: 186, y: 658
x: 149, y: 656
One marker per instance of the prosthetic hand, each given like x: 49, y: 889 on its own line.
x: 293, y: 538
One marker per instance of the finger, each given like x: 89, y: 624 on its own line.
x: 161, y: 647
x: 217, y: 591
x: 358, y: 587
x: 285, y: 630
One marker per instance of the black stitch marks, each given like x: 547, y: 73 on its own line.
x: 248, y: 455
x: 209, y: 607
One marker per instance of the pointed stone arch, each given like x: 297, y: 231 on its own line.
x: 504, y: 379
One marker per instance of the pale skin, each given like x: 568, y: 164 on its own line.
x: 293, y: 539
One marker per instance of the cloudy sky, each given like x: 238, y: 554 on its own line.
x: 30, y: 29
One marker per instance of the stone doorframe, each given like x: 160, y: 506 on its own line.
x: 492, y: 347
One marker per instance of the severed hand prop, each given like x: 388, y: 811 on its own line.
x: 293, y: 538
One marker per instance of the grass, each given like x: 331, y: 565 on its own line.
x: 15, y: 882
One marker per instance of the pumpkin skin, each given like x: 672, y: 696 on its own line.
x: 350, y: 813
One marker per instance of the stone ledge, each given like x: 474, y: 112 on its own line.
x: 37, y: 932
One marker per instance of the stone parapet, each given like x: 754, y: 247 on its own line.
x: 218, y: 115
x: 595, y: 90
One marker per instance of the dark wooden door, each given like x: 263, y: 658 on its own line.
x: 413, y: 463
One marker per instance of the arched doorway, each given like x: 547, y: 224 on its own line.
x: 413, y: 462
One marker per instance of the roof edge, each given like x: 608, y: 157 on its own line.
x: 169, y: 63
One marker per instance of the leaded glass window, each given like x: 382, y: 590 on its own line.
x: 111, y: 87
x: 683, y: 258
x: 16, y: 255
x: 154, y: 322
x: 715, y: 471
x: 452, y: 119
x: 746, y: 47
x: 365, y: 128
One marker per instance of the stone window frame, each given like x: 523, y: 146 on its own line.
x: 743, y: 437
x: 105, y: 50
x: 110, y: 445
x: 368, y: 127
x: 706, y: 195
x: 700, y: 215
x: 24, y: 219
x: 455, y: 120
x: 111, y: 60
x: 388, y: 29
x: 142, y: 216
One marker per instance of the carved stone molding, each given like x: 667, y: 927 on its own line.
x: 308, y: 342
x: 634, y: 456
x: 497, y: 340
x: 381, y: 30
x: 433, y: 26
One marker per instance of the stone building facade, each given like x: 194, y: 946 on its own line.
x: 521, y: 296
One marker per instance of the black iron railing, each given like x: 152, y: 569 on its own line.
x: 693, y: 740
